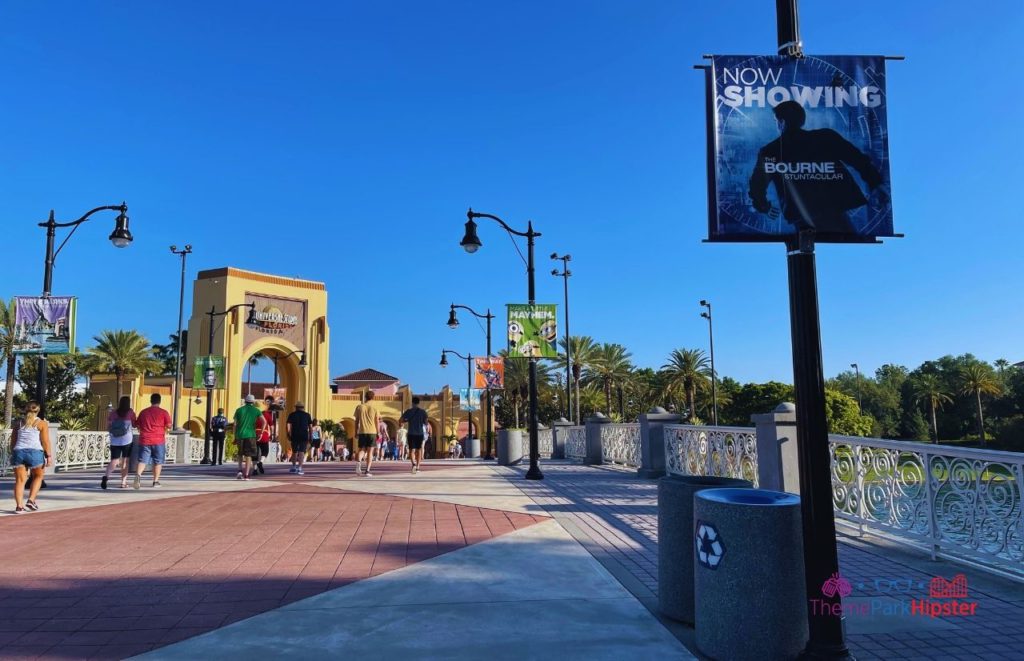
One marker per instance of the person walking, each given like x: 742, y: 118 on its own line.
x: 300, y: 427
x: 218, y: 431
x: 119, y: 425
x: 402, y: 438
x: 154, y: 423
x: 316, y: 440
x: 416, y: 418
x: 367, y: 420
x: 30, y: 453
x: 382, y: 439
x: 265, y: 435
x: 247, y: 418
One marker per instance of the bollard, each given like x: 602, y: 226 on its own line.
x: 510, y: 447
x: 675, y: 540
x: 749, y: 575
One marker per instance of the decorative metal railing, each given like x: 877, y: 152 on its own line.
x: 575, y: 442
x: 721, y: 451
x: 962, y: 501
x: 75, y: 450
x: 620, y: 444
x: 545, y: 443
x: 5, y: 452
x: 195, y: 454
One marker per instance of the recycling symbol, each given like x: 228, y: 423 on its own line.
x: 710, y: 547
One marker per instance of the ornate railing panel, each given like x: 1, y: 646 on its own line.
x: 195, y: 454
x: 620, y: 444
x: 5, y: 453
x: 171, y: 450
x: 545, y: 443
x: 721, y: 451
x: 80, y: 449
x: 959, y: 500
x: 576, y: 442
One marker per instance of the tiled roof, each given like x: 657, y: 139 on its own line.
x: 367, y: 374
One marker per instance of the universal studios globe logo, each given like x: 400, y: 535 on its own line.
x: 272, y: 320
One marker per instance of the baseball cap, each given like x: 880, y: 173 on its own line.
x: 249, y: 399
x: 300, y: 405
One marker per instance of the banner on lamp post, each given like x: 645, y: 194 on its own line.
x: 798, y: 144
x: 469, y: 399
x: 208, y: 372
x: 532, y: 331
x: 44, y: 324
x: 490, y: 373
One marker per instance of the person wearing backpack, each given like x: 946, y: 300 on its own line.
x: 119, y: 425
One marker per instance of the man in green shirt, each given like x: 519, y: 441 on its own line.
x: 248, y: 422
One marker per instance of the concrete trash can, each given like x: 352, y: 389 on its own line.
x: 675, y: 540
x: 471, y: 447
x: 749, y: 575
x: 510, y: 447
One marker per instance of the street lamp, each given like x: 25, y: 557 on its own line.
x: 469, y: 385
x: 471, y: 243
x: 714, y: 378
x: 565, y: 273
x: 210, y: 374
x: 121, y: 237
x: 857, y: 368
x: 184, y: 252
x: 453, y: 322
x: 302, y: 363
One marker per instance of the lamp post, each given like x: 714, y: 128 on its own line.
x: 453, y: 322
x: 564, y: 274
x: 302, y: 363
x: 471, y: 243
x: 210, y: 375
x: 714, y: 377
x: 469, y: 385
x: 121, y: 237
x: 179, y: 359
x: 857, y: 369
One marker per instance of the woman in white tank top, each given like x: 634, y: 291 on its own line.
x: 30, y: 452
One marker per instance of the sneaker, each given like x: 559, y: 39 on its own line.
x: 359, y: 467
x: 137, y: 483
x: 367, y: 474
x: 19, y: 510
x: 124, y: 483
x: 32, y: 506
x: 157, y: 485
x: 103, y: 482
x: 293, y: 469
x: 259, y: 467
x: 300, y: 472
x: 239, y: 476
x: 246, y: 479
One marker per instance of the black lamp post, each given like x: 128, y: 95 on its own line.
x: 565, y: 273
x: 453, y: 322
x: 469, y: 384
x: 121, y: 237
x: 184, y: 252
x: 210, y: 375
x: 471, y: 243
x: 857, y: 368
x: 714, y: 376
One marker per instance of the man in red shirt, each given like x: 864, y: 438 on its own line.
x: 153, y: 424
x: 264, y: 437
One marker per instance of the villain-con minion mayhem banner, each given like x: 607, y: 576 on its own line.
x: 532, y: 331
x: 798, y: 144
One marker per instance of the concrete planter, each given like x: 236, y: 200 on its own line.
x: 749, y: 575
x: 510, y: 447
x: 675, y: 540
x: 471, y: 447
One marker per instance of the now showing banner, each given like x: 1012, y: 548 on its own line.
x: 532, y: 331
x: 798, y: 144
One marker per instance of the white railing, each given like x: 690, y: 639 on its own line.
x: 960, y: 501
x: 721, y: 451
x: 545, y: 443
x: 620, y: 444
x: 5, y: 453
x: 76, y: 450
x: 576, y: 442
x: 195, y: 454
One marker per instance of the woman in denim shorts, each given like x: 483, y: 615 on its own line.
x: 30, y: 451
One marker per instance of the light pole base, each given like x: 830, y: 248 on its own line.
x: 206, y: 461
x: 534, y: 473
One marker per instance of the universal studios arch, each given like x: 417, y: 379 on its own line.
x: 288, y: 325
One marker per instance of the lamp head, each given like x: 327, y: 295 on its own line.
x: 470, y: 242
x: 188, y: 247
x: 302, y: 359
x: 554, y: 255
x: 703, y: 302
x: 251, y: 318
x: 121, y: 237
x: 174, y: 248
x: 568, y: 258
x: 854, y: 365
x: 705, y: 315
x: 444, y: 359
x: 453, y: 321
x: 555, y: 272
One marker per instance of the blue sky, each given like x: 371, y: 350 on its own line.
x: 343, y: 142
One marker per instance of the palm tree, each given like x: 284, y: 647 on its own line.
x: 517, y: 381
x: 609, y: 366
x: 928, y: 388
x: 7, y: 342
x: 120, y: 352
x: 253, y: 361
x: 583, y: 351
x: 977, y: 379
x: 689, y: 370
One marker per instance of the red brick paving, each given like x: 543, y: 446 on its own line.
x: 117, y: 580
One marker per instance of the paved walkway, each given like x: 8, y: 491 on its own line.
x: 444, y: 564
x: 614, y: 515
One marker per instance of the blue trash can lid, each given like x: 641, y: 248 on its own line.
x: 749, y: 496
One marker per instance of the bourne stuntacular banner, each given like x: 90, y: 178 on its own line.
x: 798, y: 144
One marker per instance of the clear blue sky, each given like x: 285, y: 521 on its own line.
x: 343, y: 142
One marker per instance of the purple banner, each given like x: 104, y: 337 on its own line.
x: 44, y: 324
